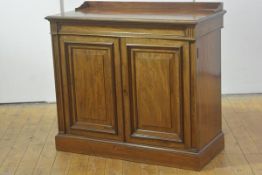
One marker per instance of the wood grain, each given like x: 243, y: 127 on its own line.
x: 239, y: 157
x: 90, y: 75
x: 148, y: 92
x: 153, y: 71
x: 208, y: 87
x: 146, y: 12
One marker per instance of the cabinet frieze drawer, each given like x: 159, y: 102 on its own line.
x: 119, y: 30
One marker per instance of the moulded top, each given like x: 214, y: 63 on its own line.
x: 157, y: 12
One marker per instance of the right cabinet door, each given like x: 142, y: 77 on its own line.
x: 156, y: 90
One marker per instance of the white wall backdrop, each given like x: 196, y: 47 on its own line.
x: 26, y: 70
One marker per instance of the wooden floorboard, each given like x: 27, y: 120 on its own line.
x: 27, y: 144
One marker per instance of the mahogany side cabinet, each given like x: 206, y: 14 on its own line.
x: 140, y: 81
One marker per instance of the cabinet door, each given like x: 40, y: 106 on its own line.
x: 156, y: 92
x: 92, y: 86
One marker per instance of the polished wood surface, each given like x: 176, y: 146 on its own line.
x: 170, y: 7
x: 147, y: 91
x: 160, y: 12
x: 28, y: 147
x: 89, y: 72
x: 208, y: 92
x: 153, y: 91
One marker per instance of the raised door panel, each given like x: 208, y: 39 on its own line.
x: 92, y: 94
x: 154, y: 74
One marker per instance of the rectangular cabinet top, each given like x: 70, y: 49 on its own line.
x: 152, y: 12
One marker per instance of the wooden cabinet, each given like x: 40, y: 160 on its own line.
x: 140, y: 84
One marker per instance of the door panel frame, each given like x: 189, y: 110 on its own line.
x: 139, y: 136
x: 111, y: 44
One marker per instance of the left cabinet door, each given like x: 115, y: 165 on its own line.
x: 91, y: 81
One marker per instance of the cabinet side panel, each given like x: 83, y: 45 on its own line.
x: 209, y: 87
